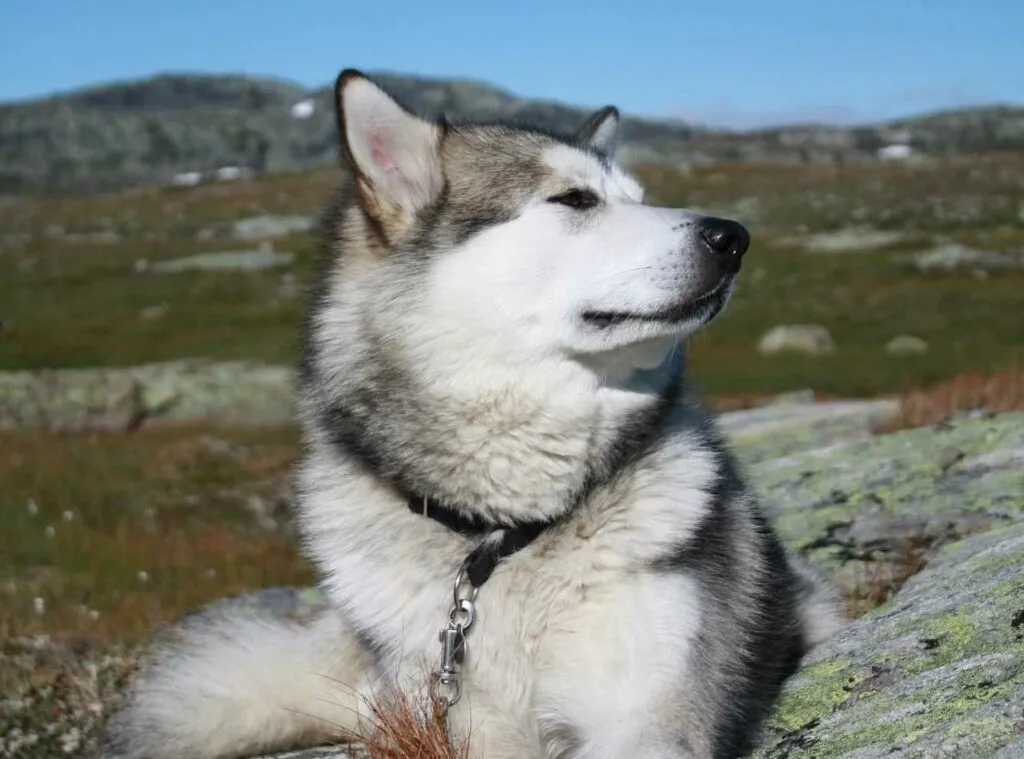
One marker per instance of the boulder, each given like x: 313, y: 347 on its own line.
x: 117, y: 397
x: 228, y: 260
x: 904, y: 345
x: 936, y: 673
x: 268, y: 227
x: 951, y: 257
x: 812, y: 339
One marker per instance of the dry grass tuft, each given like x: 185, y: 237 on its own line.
x: 404, y: 727
x: 996, y: 393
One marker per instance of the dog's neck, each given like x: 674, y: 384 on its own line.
x: 506, y: 454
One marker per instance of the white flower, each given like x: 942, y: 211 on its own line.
x: 68, y: 516
x: 143, y: 576
x: 49, y: 531
x: 39, y: 604
x: 32, y: 507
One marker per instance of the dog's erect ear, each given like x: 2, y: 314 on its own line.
x: 601, y: 130
x: 393, y: 153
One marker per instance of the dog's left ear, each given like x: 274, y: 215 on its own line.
x: 601, y: 130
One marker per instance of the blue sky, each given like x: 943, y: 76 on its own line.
x: 739, y: 63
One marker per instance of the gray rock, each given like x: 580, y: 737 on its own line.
x: 154, y: 312
x: 938, y: 672
x: 952, y: 256
x: 783, y: 428
x: 267, y: 227
x: 903, y: 345
x: 245, y: 260
x: 812, y: 339
x: 296, y: 603
x: 845, y: 240
x: 327, y: 752
x: 851, y: 506
x: 111, y: 398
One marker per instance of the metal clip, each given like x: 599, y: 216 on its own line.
x: 446, y: 681
x: 453, y: 648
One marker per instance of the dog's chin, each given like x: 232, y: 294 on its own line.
x: 682, y: 318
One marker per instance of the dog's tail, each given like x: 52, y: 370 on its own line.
x: 819, y: 603
x: 238, y: 684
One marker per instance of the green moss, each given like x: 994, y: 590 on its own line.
x: 983, y: 732
x: 823, y: 688
x: 870, y: 727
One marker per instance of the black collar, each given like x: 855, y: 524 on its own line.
x: 497, y: 541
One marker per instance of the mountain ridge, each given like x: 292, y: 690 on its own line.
x: 142, y: 131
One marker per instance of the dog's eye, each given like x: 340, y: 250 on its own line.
x: 581, y: 200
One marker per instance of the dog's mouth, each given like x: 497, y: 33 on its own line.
x: 702, y: 309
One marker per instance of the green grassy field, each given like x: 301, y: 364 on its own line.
x: 69, y: 301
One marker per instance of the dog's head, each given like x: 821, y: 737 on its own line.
x: 526, y: 244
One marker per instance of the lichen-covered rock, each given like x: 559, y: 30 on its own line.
x: 906, y: 345
x: 117, y: 397
x: 854, y: 505
x: 938, y: 672
x: 267, y: 226
x: 782, y: 428
x: 853, y: 239
x: 228, y: 260
x: 812, y: 339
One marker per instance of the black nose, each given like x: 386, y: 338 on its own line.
x: 728, y: 240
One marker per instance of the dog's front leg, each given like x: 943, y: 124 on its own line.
x: 613, y: 673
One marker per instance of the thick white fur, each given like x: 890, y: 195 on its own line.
x: 239, y: 684
x: 567, y: 634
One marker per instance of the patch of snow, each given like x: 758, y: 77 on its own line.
x: 303, y: 109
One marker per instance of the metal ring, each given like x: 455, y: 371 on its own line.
x: 458, y: 586
x: 466, y: 607
x: 452, y: 685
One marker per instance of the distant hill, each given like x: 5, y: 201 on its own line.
x: 142, y: 132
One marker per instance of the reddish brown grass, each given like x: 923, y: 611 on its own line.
x: 996, y: 393
x: 405, y: 728
x: 131, y: 531
x: 879, y: 581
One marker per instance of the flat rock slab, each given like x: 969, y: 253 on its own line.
x: 780, y: 429
x: 269, y: 226
x: 109, y: 398
x: 937, y: 673
x: 845, y: 240
x: 858, y: 502
x: 229, y: 260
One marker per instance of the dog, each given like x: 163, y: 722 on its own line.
x: 514, y: 500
